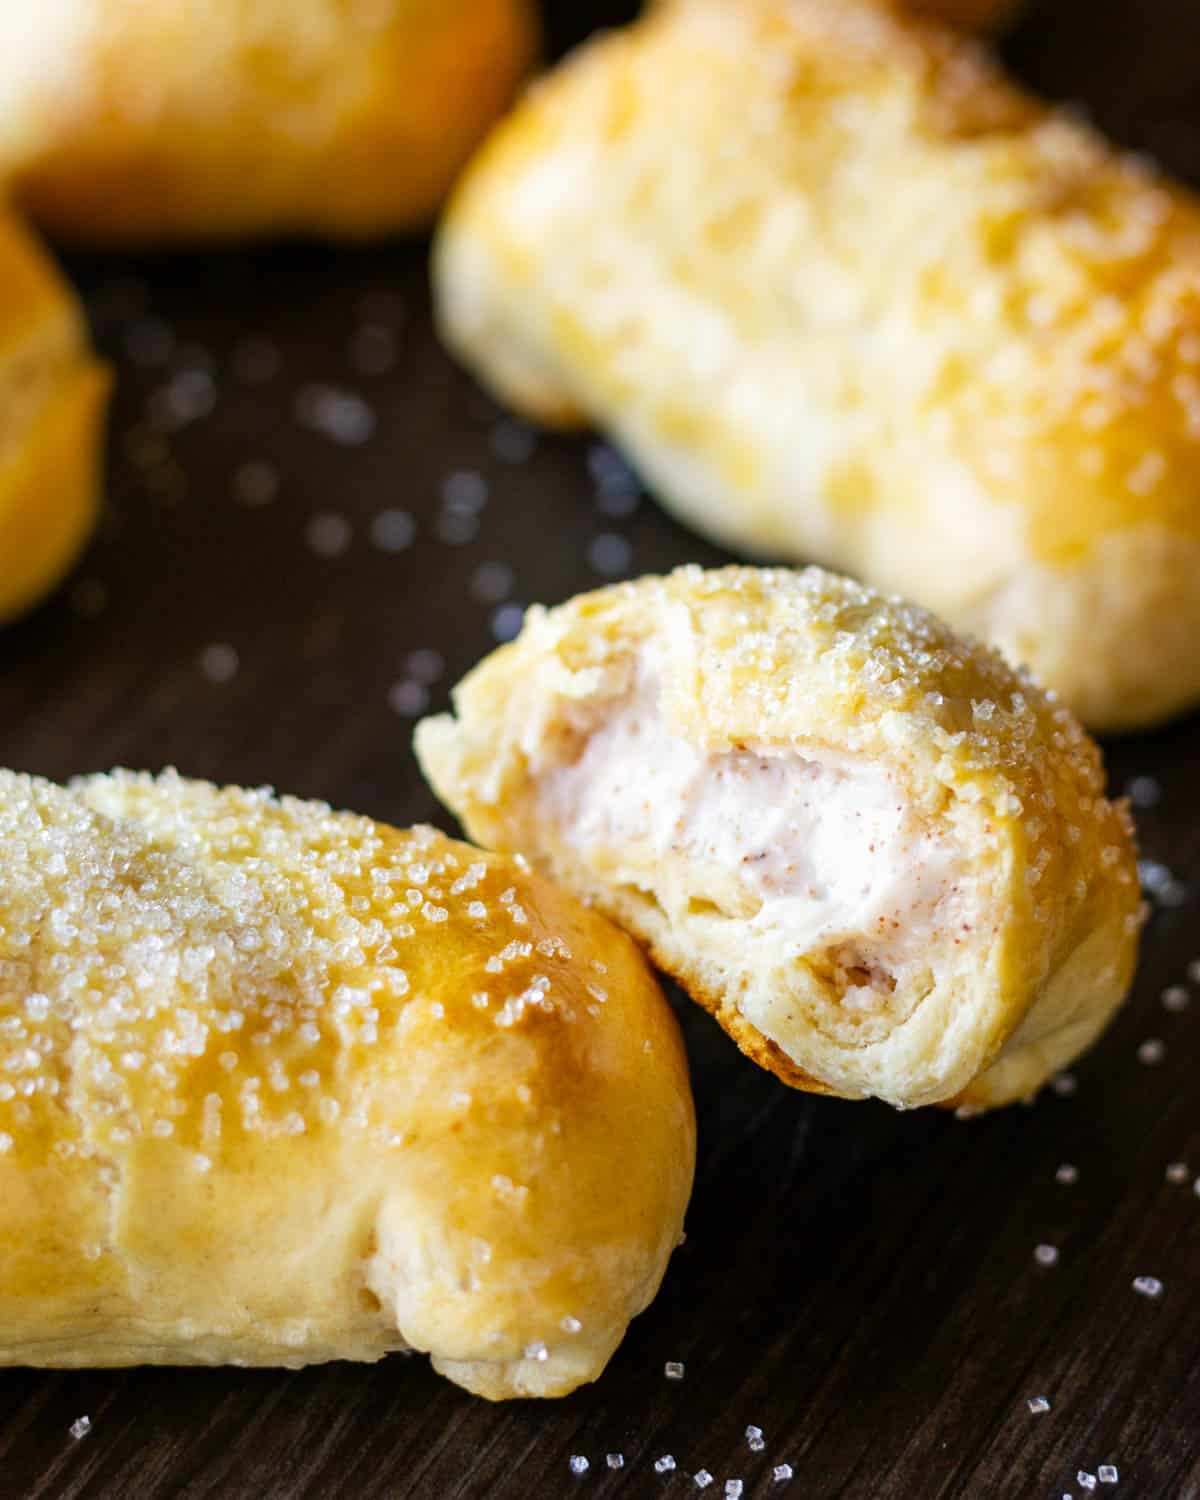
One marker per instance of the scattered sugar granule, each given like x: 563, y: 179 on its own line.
x: 255, y: 484
x: 1144, y: 791
x: 465, y: 491
x: 187, y: 396
x: 1067, y: 1174
x: 1177, y: 1172
x: 408, y: 698
x: 1151, y: 1051
x: 491, y: 582
x: 673, y: 1369
x: 328, y: 534
x: 755, y: 1440
x: 702, y: 1479
x: 219, y: 662
x: 80, y: 1427
x: 1161, y: 884
x: 1175, y: 998
x: 615, y: 481
x: 1147, y: 1286
x: 615, y: 1460
x: 781, y: 1473
x: 579, y: 1464
x: 1037, y: 1405
x: 337, y: 414
x: 609, y: 554
x: 507, y: 621
x: 570, y: 1324
x: 1085, y: 1480
x: 1107, y: 1474
x: 424, y: 665
x: 392, y: 531
x: 733, y: 1489
x: 1046, y: 1255
x: 664, y: 1465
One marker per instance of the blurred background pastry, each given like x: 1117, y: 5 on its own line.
x: 146, y: 121
x: 52, y: 398
x: 846, y: 294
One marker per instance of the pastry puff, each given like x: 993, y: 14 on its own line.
x: 127, y: 121
x: 881, y: 857
x: 52, y: 397
x: 847, y: 295
x: 285, y: 1085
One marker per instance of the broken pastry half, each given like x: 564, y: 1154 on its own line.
x: 879, y: 855
x: 281, y: 1085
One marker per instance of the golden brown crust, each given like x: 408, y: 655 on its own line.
x: 812, y: 665
x: 286, y: 1085
x: 52, y: 400
x: 893, y: 316
x: 198, y: 119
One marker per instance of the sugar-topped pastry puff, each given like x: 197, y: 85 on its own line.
x: 879, y: 855
x: 127, y: 121
x: 847, y: 295
x: 283, y: 1085
x: 52, y: 397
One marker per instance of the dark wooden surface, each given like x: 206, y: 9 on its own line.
x: 861, y: 1285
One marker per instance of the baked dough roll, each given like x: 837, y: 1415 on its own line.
x: 52, y: 396
x: 126, y: 121
x: 285, y: 1085
x: 881, y: 857
x: 847, y: 295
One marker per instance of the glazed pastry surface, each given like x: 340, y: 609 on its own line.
x: 284, y: 1085
x: 881, y: 857
x: 139, y: 121
x: 52, y: 397
x: 847, y: 295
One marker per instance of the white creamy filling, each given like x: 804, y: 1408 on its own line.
x: 820, y: 853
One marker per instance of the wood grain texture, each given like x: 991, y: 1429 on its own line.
x: 861, y: 1285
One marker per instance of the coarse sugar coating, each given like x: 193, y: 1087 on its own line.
x: 880, y: 855
x: 845, y: 294
x: 284, y: 1084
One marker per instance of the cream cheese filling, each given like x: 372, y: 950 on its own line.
x: 822, y: 857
